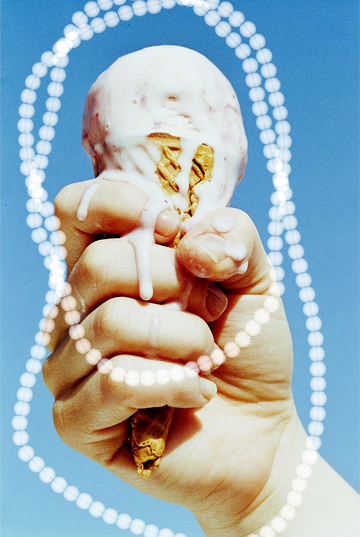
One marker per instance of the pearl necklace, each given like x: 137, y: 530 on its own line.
x: 231, y: 26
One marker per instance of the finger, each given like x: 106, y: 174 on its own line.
x: 226, y: 248
x: 108, y: 269
x: 104, y: 401
x: 92, y: 208
x: 126, y: 326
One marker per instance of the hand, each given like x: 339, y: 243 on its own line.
x: 230, y: 460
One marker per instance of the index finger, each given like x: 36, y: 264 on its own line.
x: 90, y: 209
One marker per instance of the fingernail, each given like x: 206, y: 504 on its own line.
x: 208, y: 388
x: 213, y: 245
x: 167, y: 223
x: 216, y: 300
x: 217, y: 248
x: 214, y: 256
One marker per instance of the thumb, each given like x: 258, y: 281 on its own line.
x: 225, y: 247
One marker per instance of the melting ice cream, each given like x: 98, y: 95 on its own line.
x: 167, y: 120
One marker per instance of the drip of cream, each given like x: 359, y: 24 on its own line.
x: 83, y: 208
x: 142, y: 237
x: 224, y: 224
x: 237, y: 251
x: 182, y: 303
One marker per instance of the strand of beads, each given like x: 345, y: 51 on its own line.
x: 53, y: 250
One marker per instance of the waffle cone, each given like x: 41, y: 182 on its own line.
x: 149, y: 427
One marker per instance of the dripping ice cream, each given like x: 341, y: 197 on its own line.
x: 147, y: 118
x: 168, y: 121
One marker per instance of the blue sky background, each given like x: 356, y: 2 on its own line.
x: 315, y: 49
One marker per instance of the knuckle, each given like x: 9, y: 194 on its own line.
x: 58, y: 418
x: 61, y: 202
x: 63, y: 422
x: 50, y: 376
x: 113, y: 318
x: 90, y: 266
x: 46, y: 374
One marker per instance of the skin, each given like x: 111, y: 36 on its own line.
x: 229, y: 458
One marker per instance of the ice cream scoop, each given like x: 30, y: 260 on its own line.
x: 168, y: 121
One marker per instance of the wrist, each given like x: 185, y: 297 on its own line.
x: 303, y: 497
x: 225, y: 519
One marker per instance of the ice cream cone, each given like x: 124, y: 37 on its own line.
x: 149, y: 427
x: 148, y: 434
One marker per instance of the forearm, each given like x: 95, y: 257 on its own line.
x: 329, y: 506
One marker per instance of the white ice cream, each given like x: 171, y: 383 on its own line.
x: 173, y: 90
